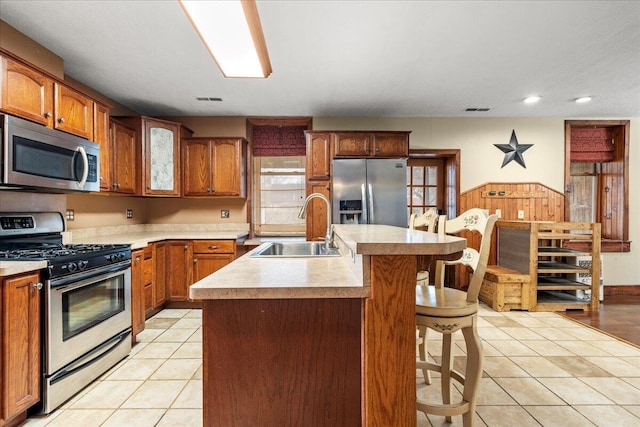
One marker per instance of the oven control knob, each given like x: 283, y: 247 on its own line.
x: 72, y: 266
x: 82, y: 264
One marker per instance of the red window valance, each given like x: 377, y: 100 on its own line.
x: 592, y: 145
x: 279, y: 141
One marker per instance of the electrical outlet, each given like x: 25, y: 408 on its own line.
x: 71, y: 215
x: 129, y: 213
x: 224, y: 213
x: 499, y: 213
x: 520, y: 214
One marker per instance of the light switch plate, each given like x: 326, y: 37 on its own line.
x: 499, y: 213
x: 520, y: 214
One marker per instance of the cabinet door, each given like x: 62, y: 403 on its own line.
x: 137, y: 292
x: 147, y: 280
x: 318, y: 155
x: 20, y: 343
x: 205, y: 264
x: 73, y: 112
x: 161, y: 158
x: 352, y: 144
x: 178, y: 269
x: 226, y: 167
x: 26, y: 93
x: 159, y: 279
x: 317, y: 210
x: 101, y: 136
x: 123, y: 143
x: 197, y: 167
x: 391, y: 145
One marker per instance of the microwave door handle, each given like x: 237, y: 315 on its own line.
x: 85, y: 169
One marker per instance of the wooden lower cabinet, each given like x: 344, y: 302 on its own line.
x: 178, y: 271
x: 20, y: 357
x: 210, y: 256
x: 137, y: 292
x: 159, y: 276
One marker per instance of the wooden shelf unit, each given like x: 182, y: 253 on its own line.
x: 538, y: 248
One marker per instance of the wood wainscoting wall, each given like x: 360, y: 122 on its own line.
x: 537, y: 202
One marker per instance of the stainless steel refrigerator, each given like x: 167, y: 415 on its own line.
x: 369, y: 191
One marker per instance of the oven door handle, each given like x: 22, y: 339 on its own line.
x: 82, y: 363
x: 101, y: 274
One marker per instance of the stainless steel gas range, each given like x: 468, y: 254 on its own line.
x: 86, y: 305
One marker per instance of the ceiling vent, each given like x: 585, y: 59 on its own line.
x: 207, y: 98
x: 477, y: 109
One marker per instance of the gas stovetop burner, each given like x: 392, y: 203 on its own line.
x: 53, y: 252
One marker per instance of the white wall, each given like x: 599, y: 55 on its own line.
x: 481, y: 162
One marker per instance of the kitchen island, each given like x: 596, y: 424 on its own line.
x: 317, y: 341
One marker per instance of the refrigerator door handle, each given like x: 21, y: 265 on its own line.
x: 365, y: 211
x: 370, y: 200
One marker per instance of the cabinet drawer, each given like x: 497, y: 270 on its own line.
x: 214, y: 246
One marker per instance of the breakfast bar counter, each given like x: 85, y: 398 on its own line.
x: 318, y: 340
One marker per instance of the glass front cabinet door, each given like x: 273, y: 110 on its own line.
x: 162, y: 158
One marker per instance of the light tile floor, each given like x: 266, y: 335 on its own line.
x: 539, y: 369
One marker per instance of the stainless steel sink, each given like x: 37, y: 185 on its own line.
x: 295, y: 250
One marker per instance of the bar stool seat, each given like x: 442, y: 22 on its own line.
x: 447, y: 311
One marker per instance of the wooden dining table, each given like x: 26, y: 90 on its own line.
x: 321, y: 340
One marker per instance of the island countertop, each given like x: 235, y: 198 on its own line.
x: 321, y: 277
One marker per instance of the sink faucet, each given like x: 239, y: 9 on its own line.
x: 328, y: 238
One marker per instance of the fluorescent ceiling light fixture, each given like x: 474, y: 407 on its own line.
x: 583, y: 99
x: 232, y: 33
x: 532, y: 99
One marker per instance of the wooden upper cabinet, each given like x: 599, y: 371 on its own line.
x: 228, y: 167
x: 391, y: 144
x: 101, y: 136
x: 196, y: 157
x: 318, y: 155
x: 26, y: 93
x: 352, y: 144
x: 158, y: 142
x: 33, y: 95
x: 123, y: 159
x: 161, y: 156
x: 73, y: 112
x: 371, y: 144
x: 214, y: 167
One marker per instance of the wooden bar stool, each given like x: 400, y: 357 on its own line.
x: 448, y: 310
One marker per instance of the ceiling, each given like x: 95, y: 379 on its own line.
x: 356, y: 58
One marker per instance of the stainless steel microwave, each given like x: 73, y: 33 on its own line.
x: 37, y: 157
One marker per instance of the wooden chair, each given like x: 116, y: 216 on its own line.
x: 448, y: 310
x: 426, y: 221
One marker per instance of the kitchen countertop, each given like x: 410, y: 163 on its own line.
x: 320, y: 277
x: 141, y: 239
x: 9, y: 268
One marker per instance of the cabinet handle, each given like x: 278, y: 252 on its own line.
x: 48, y: 114
x: 186, y: 247
x: 37, y: 286
x: 195, y: 260
x: 61, y: 120
x: 212, y: 247
x: 137, y: 259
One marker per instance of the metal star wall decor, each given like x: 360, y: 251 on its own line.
x: 513, y: 150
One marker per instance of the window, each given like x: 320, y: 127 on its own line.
x: 425, y: 185
x: 279, y: 191
x: 597, y: 178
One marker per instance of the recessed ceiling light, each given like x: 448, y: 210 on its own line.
x: 583, y: 99
x: 532, y: 99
